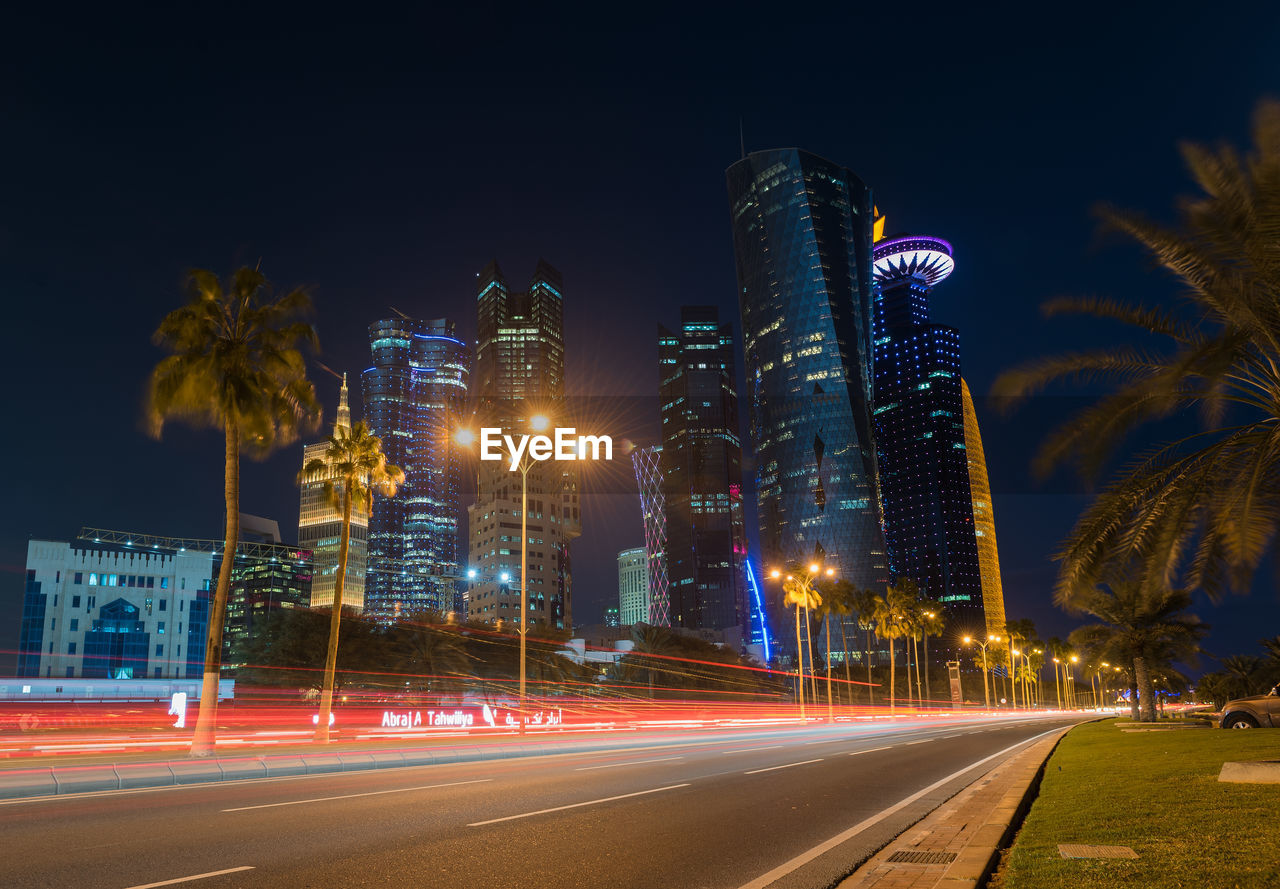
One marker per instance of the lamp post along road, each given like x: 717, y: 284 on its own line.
x: 986, y: 694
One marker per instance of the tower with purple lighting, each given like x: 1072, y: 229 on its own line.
x: 919, y: 425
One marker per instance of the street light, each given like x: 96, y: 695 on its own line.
x: 986, y: 694
x: 799, y: 589
x: 465, y: 437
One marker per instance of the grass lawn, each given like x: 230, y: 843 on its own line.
x: 1158, y: 793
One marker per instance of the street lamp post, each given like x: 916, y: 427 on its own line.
x: 986, y: 694
x: 799, y: 588
x: 539, y: 423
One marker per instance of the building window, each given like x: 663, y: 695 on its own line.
x: 75, y: 624
x: 164, y: 583
x: 75, y: 601
x: 164, y: 604
x: 71, y: 672
x: 160, y: 651
x: 79, y: 578
x: 160, y: 628
x: 71, y: 648
x: 93, y: 579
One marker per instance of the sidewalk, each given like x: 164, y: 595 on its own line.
x: 958, y: 844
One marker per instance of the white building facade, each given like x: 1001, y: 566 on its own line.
x: 113, y: 614
x: 633, y: 586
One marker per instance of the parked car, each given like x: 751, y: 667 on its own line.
x: 1259, y: 711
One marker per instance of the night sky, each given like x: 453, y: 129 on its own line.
x: 382, y: 158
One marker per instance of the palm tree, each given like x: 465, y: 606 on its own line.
x: 1244, y: 674
x: 235, y: 364
x: 838, y: 599
x: 798, y: 591
x: 931, y: 624
x: 864, y: 606
x: 1142, y: 627
x: 352, y: 469
x: 1018, y: 633
x: 893, y: 621
x: 1201, y: 511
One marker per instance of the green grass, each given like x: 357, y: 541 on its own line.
x: 1157, y: 792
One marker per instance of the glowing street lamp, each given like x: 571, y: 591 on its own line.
x: 799, y: 589
x: 986, y: 694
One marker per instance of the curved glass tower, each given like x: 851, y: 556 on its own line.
x: 802, y: 234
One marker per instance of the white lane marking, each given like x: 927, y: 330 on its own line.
x: 212, y: 873
x: 787, y: 766
x: 618, y: 765
x: 921, y: 741
x: 805, y: 857
x: 325, y: 799
x: 749, y: 749
x: 871, y: 750
x: 590, y: 802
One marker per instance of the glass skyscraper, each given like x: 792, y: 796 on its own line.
x: 519, y: 374
x: 920, y: 432
x: 414, y: 394
x: 802, y: 237
x: 701, y: 466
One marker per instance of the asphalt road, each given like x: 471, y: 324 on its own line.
x: 786, y: 808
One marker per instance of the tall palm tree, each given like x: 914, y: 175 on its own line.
x: 838, y: 599
x: 893, y: 621
x: 1018, y: 634
x: 864, y: 606
x: 1244, y: 674
x: 235, y: 363
x: 798, y: 590
x: 1139, y: 626
x: 1203, y: 510
x: 352, y: 469
x: 931, y: 624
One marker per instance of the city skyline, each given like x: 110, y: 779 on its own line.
x: 977, y: 178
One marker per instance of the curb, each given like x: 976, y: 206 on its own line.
x: 976, y: 864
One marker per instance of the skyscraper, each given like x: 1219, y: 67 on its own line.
x: 320, y: 527
x: 701, y: 465
x: 633, y: 586
x: 653, y: 513
x: 519, y: 374
x: 984, y: 520
x: 414, y: 394
x: 802, y: 230
x: 920, y: 431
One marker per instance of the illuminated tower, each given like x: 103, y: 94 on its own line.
x: 802, y: 229
x: 320, y: 527
x: 920, y: 435
x: 413, y: 396
x: 653, y: 511
x: 701, y: 466
x: 519, y: 374
x: 984, y: 519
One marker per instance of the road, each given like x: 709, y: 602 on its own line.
x: 789, y: 808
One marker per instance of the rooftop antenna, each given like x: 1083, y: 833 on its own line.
x: 742, y: 140
x: 400, y: 313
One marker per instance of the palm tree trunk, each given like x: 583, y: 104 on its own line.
x: 826, y: 621
x: 1146, y: 690
x: 799, y: 664
x: 928, y: 689
x: 915, y: 652
x: 335, y: 621
x: 206, y: 720
x: 808, y: 640
x: 893, y: 678
x: 848, y: 679
x: 871, y: 688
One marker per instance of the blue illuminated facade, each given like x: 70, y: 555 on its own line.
x: 919, y: 421
x: 414, y: 394
x: 802, y: 237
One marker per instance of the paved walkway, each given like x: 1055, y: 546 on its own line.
x: 957, y: 845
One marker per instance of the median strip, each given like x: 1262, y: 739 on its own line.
x: 787, y: 766
x: 325, y: 799
x: 212, y: 873
x: 590, y: 802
